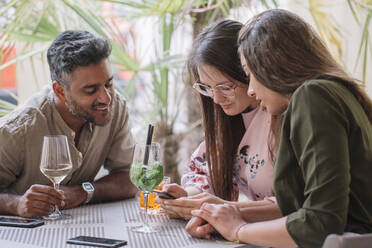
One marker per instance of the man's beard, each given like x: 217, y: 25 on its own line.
x: 80, y: 112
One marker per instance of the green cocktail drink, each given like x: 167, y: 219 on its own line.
x: 146, y: 177
x: 146, y: 173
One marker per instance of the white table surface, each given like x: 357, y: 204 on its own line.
x: 109, y: 220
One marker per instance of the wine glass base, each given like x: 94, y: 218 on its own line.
x: 146, y: 229
x: 57, y: 216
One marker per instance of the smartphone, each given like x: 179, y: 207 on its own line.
x: 98, y: 242
x: 20, y: 222
x: 163, y: 194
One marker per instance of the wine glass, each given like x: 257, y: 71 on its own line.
x: 55, y: 165
x: 146, y: 175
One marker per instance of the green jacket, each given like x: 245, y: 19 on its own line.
x: 323, y: 170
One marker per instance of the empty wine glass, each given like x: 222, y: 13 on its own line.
x: 146, y: 173
x: 55, y: 165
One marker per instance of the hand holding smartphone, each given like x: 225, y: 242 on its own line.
x: 98, y: 242
x: 163, y: 194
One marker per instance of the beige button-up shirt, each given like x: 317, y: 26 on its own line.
x: 21, y: 139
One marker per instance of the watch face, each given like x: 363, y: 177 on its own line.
x: 88, y: 186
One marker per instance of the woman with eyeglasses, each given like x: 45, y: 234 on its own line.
x: 235, y: 154
x: 323, y: 167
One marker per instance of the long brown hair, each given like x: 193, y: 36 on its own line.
x: 282, y: 51
x: 217, y: 46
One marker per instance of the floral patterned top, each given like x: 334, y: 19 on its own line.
x: 253, y: 168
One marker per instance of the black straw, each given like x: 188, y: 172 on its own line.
x: 150, y: 131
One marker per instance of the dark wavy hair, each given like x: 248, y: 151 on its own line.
x: 73, y: 48
x: 282, y: 51
x: 217, y: 46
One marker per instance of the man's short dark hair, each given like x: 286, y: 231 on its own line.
x: 73, y: 48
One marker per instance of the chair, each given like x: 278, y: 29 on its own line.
x: 348, y: 241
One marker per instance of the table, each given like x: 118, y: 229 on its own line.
x: 109, y: 220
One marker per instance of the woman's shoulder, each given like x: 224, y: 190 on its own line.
x: 323, y: 93
x: 325, y: 99
x: 324, y: 87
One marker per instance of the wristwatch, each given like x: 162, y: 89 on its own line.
x: 88, y: 187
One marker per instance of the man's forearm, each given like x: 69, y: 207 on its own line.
x: 115, y: 186
x: 8, y: 204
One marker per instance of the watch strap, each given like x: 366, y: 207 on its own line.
x: 88, y: 187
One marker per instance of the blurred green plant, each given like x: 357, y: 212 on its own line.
x: 330, y: 31
x: 363, y: 8
x: 35, y: 23
x: 326, y: 27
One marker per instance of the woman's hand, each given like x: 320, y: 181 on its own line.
x: 183, y: 206
x: 199, y: 228
x: 225, y: 218
x: 175, y: 190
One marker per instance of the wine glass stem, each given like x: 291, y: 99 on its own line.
x: 56, y: 187
x: 146, y: 199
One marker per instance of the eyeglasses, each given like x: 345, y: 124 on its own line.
x: 223, y: 89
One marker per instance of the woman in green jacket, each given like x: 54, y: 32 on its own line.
x: 323, y: 168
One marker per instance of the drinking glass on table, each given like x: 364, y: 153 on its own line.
x: 146, y: 173
x: 55, y: 165
x: 152, y: 206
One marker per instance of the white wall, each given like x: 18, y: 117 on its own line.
x: 31, y: 76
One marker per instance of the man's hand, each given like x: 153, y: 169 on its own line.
x: 182, y: 207
x: 74, y: 196
x: 39, y: 200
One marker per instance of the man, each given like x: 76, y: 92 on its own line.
x: 82, y: 104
